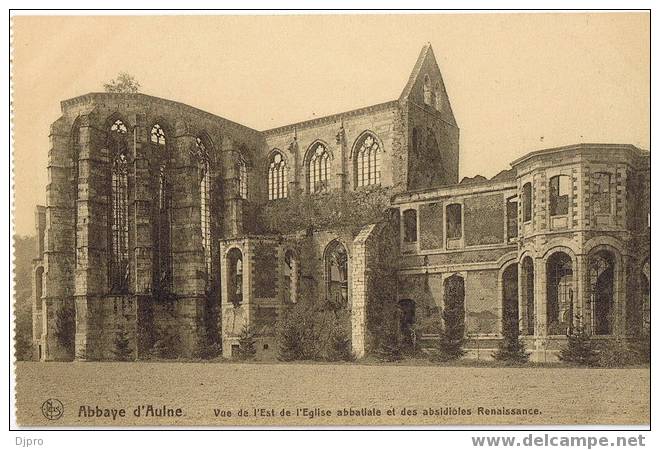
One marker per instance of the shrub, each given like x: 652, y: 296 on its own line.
x: 347, y: 210
x: 247, y: 348
x: 339, y: 347
x: 512, y: 348
x: 389, y: 348
x: 122, y: 345
x: 166, y: 343
x: 65, y: 328
x: 453, y: 333
x: 298, y: 334
x: 207, y: 349
x: 642, y: 346
x: 618, y: 353
x: 431, y: 324
x: 579, y: 349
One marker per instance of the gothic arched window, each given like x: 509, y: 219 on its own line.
x: 162, y: 211
x: 317, y: 169
x: 367, y: 161
x: 119, y: 264
x: 336, y: 274
x: 277, y: 177
x: 204, y: 166
x: 157, y: 135
x: 242, y: 169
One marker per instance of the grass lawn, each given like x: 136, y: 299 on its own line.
x: 538, y: 395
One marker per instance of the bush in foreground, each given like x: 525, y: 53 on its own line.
x: 579, y: 349
x: 247, y: 344
x: 511, y: 349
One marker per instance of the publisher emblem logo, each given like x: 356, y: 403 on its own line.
x: 52, y: 409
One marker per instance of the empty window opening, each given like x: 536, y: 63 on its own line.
x: 318, y: 169
x: 119, y: 209
x: 277, y: 177
x: 410, y: 226
x: 407, y: 324
x: 527, y: 202
x: 560, y: 187
x: 601, y: 283
x: 510, y: 311
x: 367, y: 161
x: 204, y: 167
x: 235, y: 276
x: 336, y: 266
x: 242, y: 169
x: 512, y: 218
x: 560, y: 294
x: 454, y: 221
x: 601, y: 197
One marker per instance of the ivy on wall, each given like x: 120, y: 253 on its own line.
x: 332, y: 210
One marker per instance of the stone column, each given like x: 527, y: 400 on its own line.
x: 621, y: 292
x: 581, y: 293
x: 359, y: 290
x: 540, y: 307
x: 144, y: 189
x: 522, y: 303
x: 59, y: 254
x: 92, y: 232
x: 189, y: 280
x: 143, y: 194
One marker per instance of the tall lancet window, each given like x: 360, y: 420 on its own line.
x: 242, y: 169
x: 317, y: 169
x: 277, y: 177
x: 162, y: 213
x: 367, y: 162
x: 204, y: 165
x: 119, y: 261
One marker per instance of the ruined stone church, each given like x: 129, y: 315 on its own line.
x: 160, y: 216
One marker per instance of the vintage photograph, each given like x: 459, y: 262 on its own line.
x: 340, y: 219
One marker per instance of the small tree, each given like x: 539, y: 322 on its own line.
x: 247, y: 345
x: 166, y: 343
x: 579, y: 349
x: 122, y: 350
x: 452, y: 336
x: 124, y: 82
x: 339, y: 347
x: 299, y: 334
x: 643, y: 346
x: 617, y: 353
x: 389, y: 347
x: 65, y: 328
x: 512, y: 348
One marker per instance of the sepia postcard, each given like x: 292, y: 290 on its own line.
x: 274, y: 220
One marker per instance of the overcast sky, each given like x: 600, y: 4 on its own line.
x: 517, y: 83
